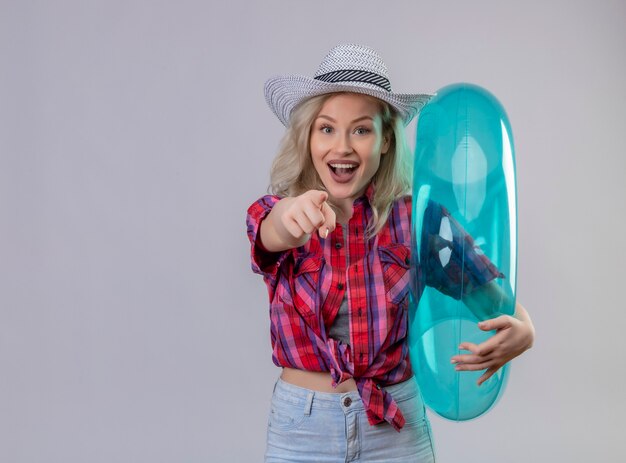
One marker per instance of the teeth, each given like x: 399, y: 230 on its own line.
x: 343, y: 166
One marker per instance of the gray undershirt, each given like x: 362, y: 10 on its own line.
x: 340, y: 329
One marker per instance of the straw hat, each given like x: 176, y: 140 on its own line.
x: 346, y: 68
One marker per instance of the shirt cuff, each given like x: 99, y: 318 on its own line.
x: 263, y: 262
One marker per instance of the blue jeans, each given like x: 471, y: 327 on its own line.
x: 311, y: 426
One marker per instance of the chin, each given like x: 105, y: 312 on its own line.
x: 341, y: 195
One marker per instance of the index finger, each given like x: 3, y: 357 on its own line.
x: 318, y: 197
x: 483, y: 348
x: 330, y: 217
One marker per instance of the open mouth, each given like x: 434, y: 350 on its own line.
x: 343, y: 169
x: 343, y: 172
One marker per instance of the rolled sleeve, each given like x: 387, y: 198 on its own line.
x: 263, y: 262
x: 454, y: 264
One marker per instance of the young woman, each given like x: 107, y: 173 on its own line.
x: 333, y: 245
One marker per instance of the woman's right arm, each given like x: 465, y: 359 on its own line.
x: 292, y: 220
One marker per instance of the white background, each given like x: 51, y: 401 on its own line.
x: 133, y: 137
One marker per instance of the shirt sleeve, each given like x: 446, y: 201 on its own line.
x: 263, y: 262
x: 453, y: 263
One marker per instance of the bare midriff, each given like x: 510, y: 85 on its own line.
x: 316, y: 380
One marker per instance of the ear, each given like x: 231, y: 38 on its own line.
x: 386, y: 144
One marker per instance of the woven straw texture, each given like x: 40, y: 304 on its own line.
x: 285, y: 92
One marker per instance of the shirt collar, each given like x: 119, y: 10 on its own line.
x: 369, y: 194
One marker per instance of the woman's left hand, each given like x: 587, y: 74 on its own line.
x: 514, y: 335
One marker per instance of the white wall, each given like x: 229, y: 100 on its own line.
x: 133, y: 136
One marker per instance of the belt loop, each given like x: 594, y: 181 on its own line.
x: 309, y: 403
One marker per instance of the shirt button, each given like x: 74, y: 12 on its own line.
x: 340, y: 286
x: 338, y: 245
x: 378, y: 387
x: 347, y: 402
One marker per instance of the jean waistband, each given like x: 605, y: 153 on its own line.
x: 301, y: 395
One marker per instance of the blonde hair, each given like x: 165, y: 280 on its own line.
x: 293, y: 172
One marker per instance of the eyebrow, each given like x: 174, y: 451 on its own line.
x: 352, y: 122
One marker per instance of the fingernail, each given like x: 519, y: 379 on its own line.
x: 326, y: 233
x: 453, y: 361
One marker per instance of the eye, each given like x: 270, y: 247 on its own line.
x: 362, y: 130
x: 326, y: 129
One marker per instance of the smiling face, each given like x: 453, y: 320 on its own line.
x: 346, y: 144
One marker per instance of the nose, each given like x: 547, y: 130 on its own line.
x: 343, y: 145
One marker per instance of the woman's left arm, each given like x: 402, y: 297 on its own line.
x: 514, y: 335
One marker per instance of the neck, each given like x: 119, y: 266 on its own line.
x: 344, y: 209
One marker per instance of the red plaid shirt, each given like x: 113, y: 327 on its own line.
x: 307, y: 284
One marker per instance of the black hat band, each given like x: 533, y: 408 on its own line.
x: 351, y: 75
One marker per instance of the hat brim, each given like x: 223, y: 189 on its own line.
x: 284, y: 93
